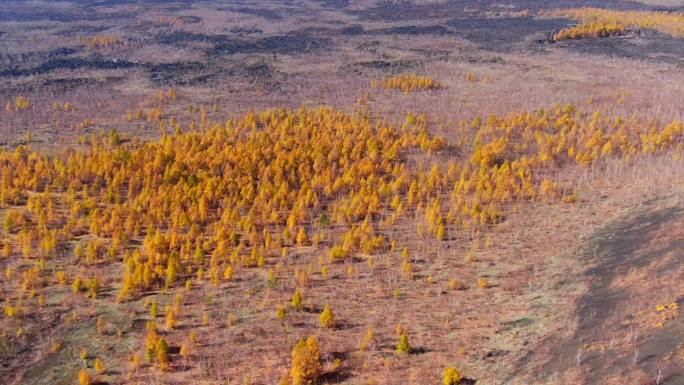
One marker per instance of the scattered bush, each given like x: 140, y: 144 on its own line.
x: 404, y: 347
x: 327, y: 317
x: 84, y: 377
x: 306, y: 362
x: 99, y: 366
x: 162, y: 354
x: 296, y: 301
x: 451, y: 376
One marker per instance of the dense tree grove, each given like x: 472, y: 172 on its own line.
x: 408, y: 83
x: 600, y: 22
x: 207, y: 203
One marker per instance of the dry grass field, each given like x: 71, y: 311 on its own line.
x: 341, y: 192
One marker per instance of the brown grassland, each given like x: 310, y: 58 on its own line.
x: 333, y: 192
